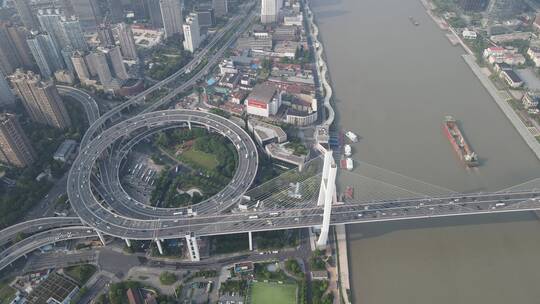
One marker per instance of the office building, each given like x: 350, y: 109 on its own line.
x: 221, y: 7
x: 171, y: 12
x: 6, y: 96
x: 72, y: 33
x: 80, y: 66
x: 40, y: 99
x: 105, y: 35
x: 269, y: 11
x: 127, y: 43
x: 154, y: 12
x: 27, y: 16
x: 205, y: 17
x: 15, y: 148
x: 46, y: 54
x: 192, y: 36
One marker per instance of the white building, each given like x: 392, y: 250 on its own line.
x: 509, y: 56
x: 470, y: 35
x: 293, y: 20
x: 192, y: 36
x: 264, y: 100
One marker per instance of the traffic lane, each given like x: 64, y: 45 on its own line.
x: 36, y: 241
x: 10, y: 233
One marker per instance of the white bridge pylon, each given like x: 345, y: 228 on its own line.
x: 327, y: 195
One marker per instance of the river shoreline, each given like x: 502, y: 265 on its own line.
x: 326, y: 90
x: 471, y: 61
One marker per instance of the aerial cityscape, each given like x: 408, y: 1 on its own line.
x: 269, y: 151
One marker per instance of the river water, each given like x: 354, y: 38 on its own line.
x: 394, y: 83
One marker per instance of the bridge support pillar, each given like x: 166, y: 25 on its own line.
x: 193, y: 247
x: 159, y: 247
x: 250, y: 236
x: 189, y: 124
x: 128, y: 242
x: 101, y: 238
x: 327, y: 195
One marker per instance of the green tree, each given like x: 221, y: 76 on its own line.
x: 167, y: 278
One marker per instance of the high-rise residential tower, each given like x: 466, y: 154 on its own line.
x: 46, y: 53
x: 269, y: 11
x: 154, y: 12
x: 105, y: 35
x: 88, y: 11
x: 221, y: 7
x: 127, y: 43
x: 28, y: 18
x: 72, y: 33
x: 50, y: 21
x: 15, y: 148
x: 6, y: 96
x: 80, y: 66
x: 98, y: 60
x: 116, y: 62
x: 171, y: 12
x: 40, y: 99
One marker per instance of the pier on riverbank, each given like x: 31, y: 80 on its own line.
x: 343, y: 262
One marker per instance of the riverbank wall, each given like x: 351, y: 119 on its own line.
x: 503, y: 105
x: 322, y: 69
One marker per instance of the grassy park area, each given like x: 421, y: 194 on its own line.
x: 269, y: 293
x: 205, y: 160
x: 7, y: 293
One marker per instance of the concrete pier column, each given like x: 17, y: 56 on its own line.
x: 329, y: 185
x: 128, y: 242
x: 328, y: 160
x: 193, y: 247
x: 101, y: 238
x: 189, y: 124
x: 250, y: 236
x: 160, y: 249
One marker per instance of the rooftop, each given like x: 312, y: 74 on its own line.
x: 55, y: 287
x: 513, y: 76
x: 263, y: 92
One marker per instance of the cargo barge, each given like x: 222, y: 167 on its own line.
x: 460, y: 145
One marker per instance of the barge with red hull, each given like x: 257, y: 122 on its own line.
x: 460, y: 145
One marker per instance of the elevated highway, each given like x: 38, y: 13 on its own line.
x: 11, y: 233
x: 41, y: 239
